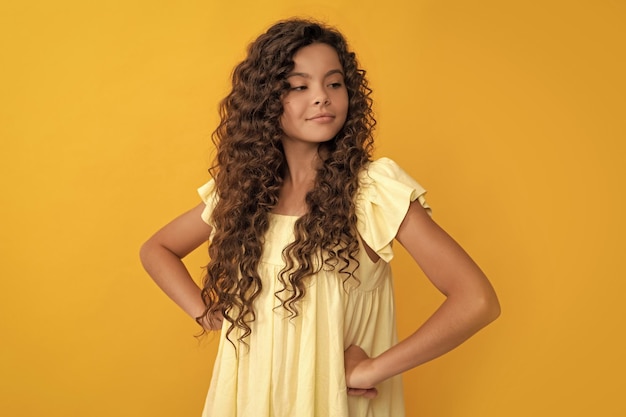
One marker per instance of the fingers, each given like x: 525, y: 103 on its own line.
x: 361, y: 392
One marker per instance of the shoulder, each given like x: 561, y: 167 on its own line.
x: 385, y: 194
x: 384, y: 168
x: 382, y: 165
x: 208, y: 194
x: 384, y: 176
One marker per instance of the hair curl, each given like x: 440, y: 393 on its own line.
x: 248, y: 173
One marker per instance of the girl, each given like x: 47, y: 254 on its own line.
x: 300, y: 222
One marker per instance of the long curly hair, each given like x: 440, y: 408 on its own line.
x: 248, y: 172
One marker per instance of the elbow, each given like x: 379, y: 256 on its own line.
x: 487, y: 308
x: 494, y: 312
x: 144, y: 253
x: 147, y: 254
x: 479, y: 308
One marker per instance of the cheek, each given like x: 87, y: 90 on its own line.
x: 285, y: 110
x: 285, y: 120
x: 281, y: 121
x: 285, y: 114
x: 287, y: 107
x: 345, y: 104
x: 291, y: 111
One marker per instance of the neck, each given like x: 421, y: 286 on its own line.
x: 302, y: 163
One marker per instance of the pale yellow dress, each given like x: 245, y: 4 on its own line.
x: 294, y: 367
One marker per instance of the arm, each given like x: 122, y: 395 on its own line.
x: 162, y: 255
x: 471, y: 304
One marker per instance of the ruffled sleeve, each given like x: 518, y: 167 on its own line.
x: 385, y: 193
x: 208, y: 193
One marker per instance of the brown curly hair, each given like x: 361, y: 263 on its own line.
x: 248, y: 173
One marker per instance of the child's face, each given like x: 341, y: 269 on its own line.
x: 315, y: 107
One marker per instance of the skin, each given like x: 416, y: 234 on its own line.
x: 317, y: 88
x: 470, y: 304
x: 316, y: 105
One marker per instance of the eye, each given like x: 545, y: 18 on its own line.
x: 298, y: 88
x: 335, y: 85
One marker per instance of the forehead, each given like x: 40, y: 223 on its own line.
x: 316, y: 57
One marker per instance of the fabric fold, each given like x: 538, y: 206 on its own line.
x: 384, y: 196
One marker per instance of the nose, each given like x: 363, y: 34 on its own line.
x: 321, y: 97
x: 325, y: 101
x: 322, y: 100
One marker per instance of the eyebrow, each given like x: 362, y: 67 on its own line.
x: 305, y: 75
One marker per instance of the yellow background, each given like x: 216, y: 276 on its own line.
x: 511, y: 114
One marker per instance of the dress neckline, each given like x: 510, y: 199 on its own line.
x: 286, y: 216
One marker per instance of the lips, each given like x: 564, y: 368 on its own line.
x: 322, y: 118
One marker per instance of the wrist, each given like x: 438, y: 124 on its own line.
x: 210, y: 322
x: 373, y: 372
